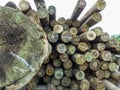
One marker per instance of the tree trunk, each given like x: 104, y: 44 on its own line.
x: 23, y: 47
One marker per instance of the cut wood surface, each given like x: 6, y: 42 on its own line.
x: 23, y: 47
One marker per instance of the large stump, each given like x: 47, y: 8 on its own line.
x: 23, y: 47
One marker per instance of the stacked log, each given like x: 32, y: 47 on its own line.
x: 82, y: 58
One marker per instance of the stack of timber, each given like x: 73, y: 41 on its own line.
x: 82, y: 57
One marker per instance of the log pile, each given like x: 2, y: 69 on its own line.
x: 81, y: 58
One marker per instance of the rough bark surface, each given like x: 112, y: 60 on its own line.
x: 23, y: 47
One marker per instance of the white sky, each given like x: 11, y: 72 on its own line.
x: 111, y: 14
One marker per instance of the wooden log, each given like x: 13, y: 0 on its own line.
x: 79, y: 75
x: 97, y: 7
x: 65, y: 27
x: 61, y: 20
x: 98, y: 31
x: 66, y: 36
x: 88, y: 56
x: 53, y: 23
x: 79, y: 59
x: 96, y: 84
x: 12, y: 5
x: 53, y: 37
x: 61, y: 48
x: 107, y: 74
x: 83, y: 46
x: 40, y: 87
x: 68, y: 72
x: 78, y: 9
x: 84, y: 66
x: 95, y: 53
x: 84, y: 84
x: 53, y: 54
x: 99, y: 46
x: 74, y: 86
x: 83, y: 28
x: 58, y: 74
x: 55, y: 82
x: 64, y: 57
x: 113, y: 81
x: 116, y: 75
x: 93, y: 19
x: 100, y: 74
x: 42, y: 12
x: 58, y: 28
x: 50, y: 86
x: 109, y: 85
x: 112, y: 66
x: 117, y: 60
x: 68, y: 22
x: 57, y: 62
x: 40, y: 4
x: 20, y: 48
x: 94, y: 65
x: 76, y: 23
x: 47, y: 79
x: 41, y: 72
x: 49, y: 70
x: 112, y: 43
x: 75, y: 39
x: 104, y: 65
x: 103, y: 38
x: 68, y: 64
x: 73, y: 31
x: 87, y: 36
x: 60, y: 87
x: 46, y: 60
x: 71, y: 49
x: 25, y: 6
x: 52, y: 12
x: 33, y: 83
x: 66, y: 81
x: 106, y: 55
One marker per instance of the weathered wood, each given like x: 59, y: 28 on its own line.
x: 68, y: 64
x: 88, y: 36
x: 58, y: 74
x: 49, y: 70
x: 78, y: 9
x: 66, y: 81
x: 23, y: 57
x: 55, y: 82
x: 71, y: 49
x: 79, y: 59
x: 96, y: 84
x: 75, y: 39
x: 52, y: 12
x: 79, y: 75
x: 97, y: 7
x: 116, y: 75
x: 57, y: 62
x: 110, y: 86
x: 84, y: 84
x: 94, y: 65
x: 93, y: 19
x: 24, y: 5
x: 98, y: 31
x: 12, y: 5
x: 58, y: 28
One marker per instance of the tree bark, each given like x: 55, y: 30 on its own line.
x: 23, y: 47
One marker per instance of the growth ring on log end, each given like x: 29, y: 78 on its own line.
x: 23, y: 47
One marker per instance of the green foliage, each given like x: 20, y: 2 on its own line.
x: 117, y: 37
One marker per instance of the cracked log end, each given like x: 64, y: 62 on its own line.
x: 23, y: 47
